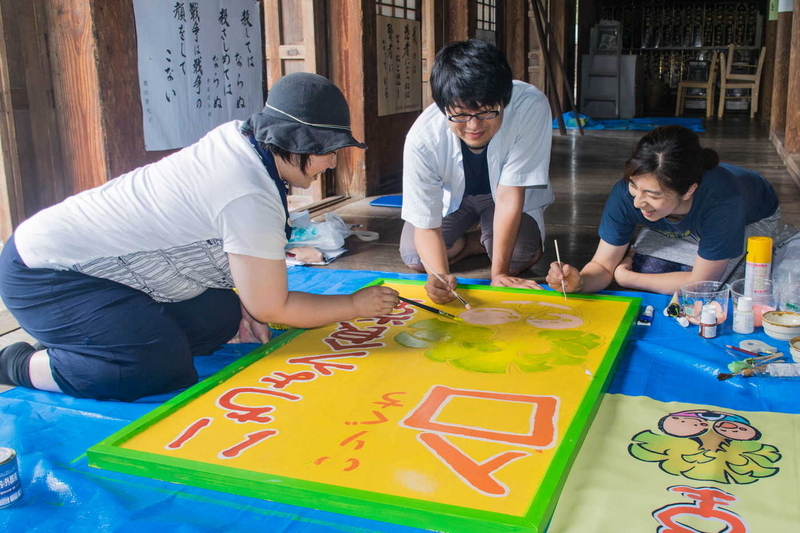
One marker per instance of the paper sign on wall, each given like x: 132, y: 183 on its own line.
x: 399, y: 66
x: 200, y: 65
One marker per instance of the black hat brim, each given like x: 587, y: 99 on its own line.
x: 299, y: 138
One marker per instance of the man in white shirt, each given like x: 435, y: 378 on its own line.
x: 480, y: 154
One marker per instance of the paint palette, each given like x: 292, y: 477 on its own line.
x: 407, y: 418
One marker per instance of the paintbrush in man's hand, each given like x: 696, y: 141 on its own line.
x: 440, y: 278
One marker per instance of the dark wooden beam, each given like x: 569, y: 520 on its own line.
x: 433, y: 19
x: 11, y: 200
x: 348, y: 70
x: 515, y: 37
x: 33, y: 166
x: 765, y: 92
x: 780, y: 78
x: 272, y: 39
x: 460, y: 20
x: 793, y: 89
x: 587, y: 17
x: 557, y: 17
x: 118, y: 99
x: 72, y: 47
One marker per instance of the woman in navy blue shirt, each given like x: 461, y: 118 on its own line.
x: 687, y: 200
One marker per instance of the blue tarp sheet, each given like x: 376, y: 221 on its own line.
x: 392, y: 200
x: 633, y: 124
x: 51, y: 433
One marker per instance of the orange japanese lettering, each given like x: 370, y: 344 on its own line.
x: 322, y: 366
x: 476, y: 475
x: 251, y: 439
x: 706, y: 503
x: 246, y: 413
x: 189, y: 433
x: 348, y: 337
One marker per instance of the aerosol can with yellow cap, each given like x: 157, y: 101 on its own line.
x: 758, y: 265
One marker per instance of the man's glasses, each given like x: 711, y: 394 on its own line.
x: 466, y: 117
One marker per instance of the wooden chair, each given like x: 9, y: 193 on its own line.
x: 731, y: 80
x: 708, y: 85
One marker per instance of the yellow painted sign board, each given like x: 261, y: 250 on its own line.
x: 411, y: 417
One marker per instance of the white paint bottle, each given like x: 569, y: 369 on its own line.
x: 708, y: 322
x: 743, y: 316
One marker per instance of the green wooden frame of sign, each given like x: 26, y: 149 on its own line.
x: 110, y: 455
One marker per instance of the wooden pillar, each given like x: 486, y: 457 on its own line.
x: 350, y: 72
x: 354, y: 69
x: 792, y: 142
x: 461, y: 20
x: 92, y: 46
x: 72, y: 51
x: 780, y: 78
x: 433, y: 29
x: 31, y: 174
x: 515, y: 37
x: 118, y: 100
x: 765, y: 93
x: 272, y: 41
x: 557, y: 16
x: 587, y: 17
x: 569, y: 58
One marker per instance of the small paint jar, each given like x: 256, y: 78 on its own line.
x: 708, y: 322
x: 10, y: 483
x: 743, y: 316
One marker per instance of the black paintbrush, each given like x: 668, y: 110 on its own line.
x: 431, y: 309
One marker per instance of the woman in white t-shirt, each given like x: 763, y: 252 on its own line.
x: 123, y: 284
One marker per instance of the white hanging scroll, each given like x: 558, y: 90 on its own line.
x: 200, y: 65
x: 399, y: 66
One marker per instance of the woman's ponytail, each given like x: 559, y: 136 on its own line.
x: 710, y: 159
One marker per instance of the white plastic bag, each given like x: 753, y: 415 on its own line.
x: 327, y: 235
x: 786, y: 274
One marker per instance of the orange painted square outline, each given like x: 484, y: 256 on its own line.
x: 543, y: 434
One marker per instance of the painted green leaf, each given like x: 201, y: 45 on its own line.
x: 410, y: 341
x: 740, y: 462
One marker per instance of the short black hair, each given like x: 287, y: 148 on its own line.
x: 673, y: 155
x: 470, y: 74
x: 301, y: 161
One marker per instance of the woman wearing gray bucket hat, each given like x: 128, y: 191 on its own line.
x: 123, y: 284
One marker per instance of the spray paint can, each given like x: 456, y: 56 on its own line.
x: 758, y: 265
x: 10, y: 483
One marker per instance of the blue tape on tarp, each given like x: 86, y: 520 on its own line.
x: 51, y: 432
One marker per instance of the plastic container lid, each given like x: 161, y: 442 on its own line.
x: 709, y: 315
x: 745, y: 303
x: 6, y: 454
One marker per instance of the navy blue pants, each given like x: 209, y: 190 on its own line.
x: 109, y: 341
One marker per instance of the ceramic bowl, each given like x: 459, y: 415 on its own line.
x: 794, y: 348
x: 782, y: 325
